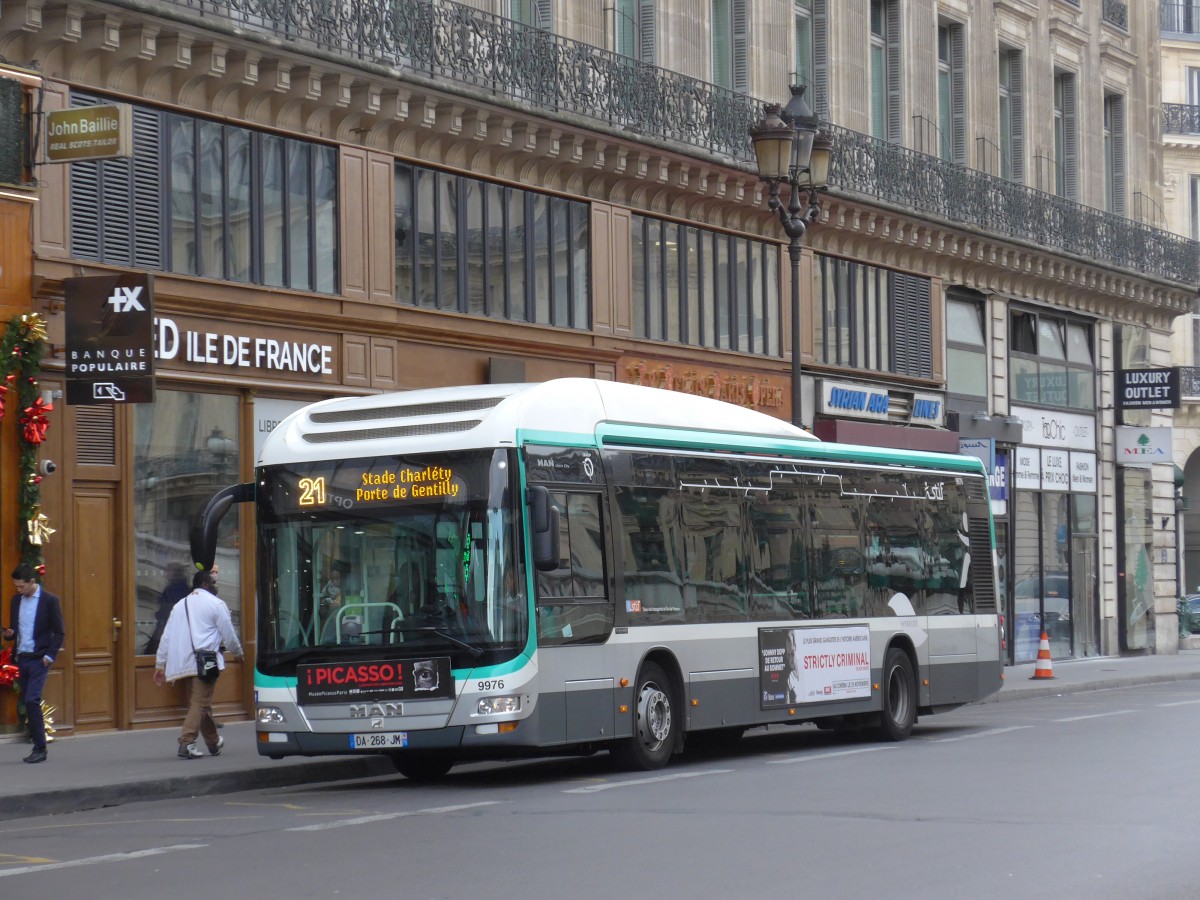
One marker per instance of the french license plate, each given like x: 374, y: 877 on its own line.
x: 379, y: 740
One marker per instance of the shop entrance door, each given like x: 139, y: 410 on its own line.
x: 1084, y: 575
x: 97, y: 617
x: 83, y: 562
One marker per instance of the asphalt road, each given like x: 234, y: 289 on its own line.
x: 1081, y: 795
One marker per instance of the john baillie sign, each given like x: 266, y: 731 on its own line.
x: 110, y: 339
x: 1148, y: 388
x: 90, y: 132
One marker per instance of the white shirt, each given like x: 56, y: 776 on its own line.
x: 211, y: 627
x: 27, y: 617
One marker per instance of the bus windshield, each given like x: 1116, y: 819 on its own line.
x: 389, y: 556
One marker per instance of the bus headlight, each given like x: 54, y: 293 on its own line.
x: 491, y: 705
x: 269, y: 715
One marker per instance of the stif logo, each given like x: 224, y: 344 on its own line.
x: 125, y: 299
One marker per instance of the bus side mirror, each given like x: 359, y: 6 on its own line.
x: 543, y: 529
x: 203, y: 536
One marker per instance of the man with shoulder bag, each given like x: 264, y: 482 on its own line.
x: 190, y: 649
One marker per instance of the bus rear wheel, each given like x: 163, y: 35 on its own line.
x: 655, y: 723
x: 899, y: 696
x: 422, y: 766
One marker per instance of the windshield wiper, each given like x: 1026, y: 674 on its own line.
x: 475, y: 652
x: 279, y: 659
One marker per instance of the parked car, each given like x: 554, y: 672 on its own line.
x: 1029, y: 602
x: 1191, y: 609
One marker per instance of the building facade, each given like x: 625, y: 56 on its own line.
x: 1180, y: 24
x: 367, y: 197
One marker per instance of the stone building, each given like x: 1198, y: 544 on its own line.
x: 340, y: 198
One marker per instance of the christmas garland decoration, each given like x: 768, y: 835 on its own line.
x: 21, y: 352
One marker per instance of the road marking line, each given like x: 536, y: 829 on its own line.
x: 979, y: 734
x: 674, y: 776
x: 815, y: 756
x: 112, y: 857
x: 1103, y: 715
x: 1179, y: 703
x: 384, y: 817
x: 272, y: 805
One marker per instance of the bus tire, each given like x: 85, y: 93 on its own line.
x: 422, y: 766
x: 899, y: 696
x: 655, y: 723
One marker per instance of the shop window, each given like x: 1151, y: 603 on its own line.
x: 229, y: 203
x: 966, y: 352
x: 705, y: 289
x: 468, y: 246
x: 185, y: 448
x: 872, y: 318
x: 1052, y: 361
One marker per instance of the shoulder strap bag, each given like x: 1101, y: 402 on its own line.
x: 206, y: 660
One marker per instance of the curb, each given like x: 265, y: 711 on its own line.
x: 1013, y: 692
x: 79, y: 799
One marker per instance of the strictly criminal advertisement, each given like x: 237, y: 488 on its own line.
x: 814, y: 665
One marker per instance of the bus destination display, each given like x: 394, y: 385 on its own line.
x: 394, y: 483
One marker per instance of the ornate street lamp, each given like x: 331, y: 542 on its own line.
x: 221, y: 447
x: 790, y: 150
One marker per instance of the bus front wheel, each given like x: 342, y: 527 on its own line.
x: 655, y: 723
x: 899, y: 696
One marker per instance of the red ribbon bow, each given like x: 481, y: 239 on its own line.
x: 34, y: 423
x: 8, y: 672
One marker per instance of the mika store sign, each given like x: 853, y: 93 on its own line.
x: 109, y: 339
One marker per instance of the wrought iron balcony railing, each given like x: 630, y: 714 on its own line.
x: 1189, y: 382
x: 931, y: 185
x: 1179, y: 16
x: 1181, y: 118
x: 451, y: 42
x: 459, y: 45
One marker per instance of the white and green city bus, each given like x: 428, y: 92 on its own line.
x: 505, y: 570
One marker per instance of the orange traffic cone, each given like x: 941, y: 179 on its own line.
x: 1043, y: 668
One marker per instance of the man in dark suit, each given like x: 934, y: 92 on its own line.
x: 36, y: 624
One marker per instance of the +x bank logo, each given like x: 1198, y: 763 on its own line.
x: 125, y: 299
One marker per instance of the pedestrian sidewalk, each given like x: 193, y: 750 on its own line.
x: 89, y: 771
